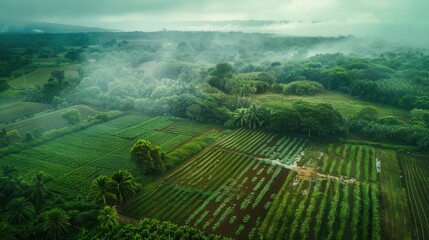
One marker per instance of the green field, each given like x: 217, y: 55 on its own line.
x: 76, y: 159
x: 332, y: 197
x: 252, y: 183
x: 243, y: 186
x: 349, y: 161
x: 226, y: 187
x: 346, y: 104
x: 41, y: 76
x: 49, y: 120
x: 19, y: 110
x: 415, y: 170
x: 11, y: 96
x: 248, y: 183
x: 395, y: 211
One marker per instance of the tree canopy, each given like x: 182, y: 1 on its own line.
x: 150, y: 158
x: 303, y: 88
x: 72, y: 116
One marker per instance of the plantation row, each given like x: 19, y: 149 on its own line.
x: 163, y: 131
x: 287, y: 150
x: 76, y: 159
x: 395, y: 209
x: 218, y: 190
x: 221, y: 185
x: 415, y: 170
x: 352, y: 161
x: 323, y: 210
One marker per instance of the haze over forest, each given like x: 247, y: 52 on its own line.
x: 398, y: 20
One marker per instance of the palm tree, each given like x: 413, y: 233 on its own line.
x: 9, y: 189
x: 7, y: 232
x: 108, y: 217
x: 39, y: 186
x: 240, y: 117
x: 20, y: 210
x: 126, y: 187
x: 9, y: 171
x: 253, y: 117
x: 56, y: 223
x: 103, y: 189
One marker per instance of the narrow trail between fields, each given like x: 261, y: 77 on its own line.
x: 305, y: 173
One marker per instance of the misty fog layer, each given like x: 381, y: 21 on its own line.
x: 395, y: 21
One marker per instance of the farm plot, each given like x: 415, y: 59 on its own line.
x: 11, y: 112
x: 415, y: 170
x: 337, y: 199
x: 227, y: 189
x: 269, y: 146
x: 41, y: 76
x: 350, y: 161
x: 76, y: 159
x: 323, y: 209
x: 48, y: 121
x: 395, y: 211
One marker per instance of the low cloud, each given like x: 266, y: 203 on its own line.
x: 391, y: 18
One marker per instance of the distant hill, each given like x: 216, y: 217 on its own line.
x: 22, y: 26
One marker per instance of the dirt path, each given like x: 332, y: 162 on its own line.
x: 125, y: 219
x: 305, y: 173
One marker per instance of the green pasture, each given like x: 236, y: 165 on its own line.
x: 49, y: 120
x: 19, y: 110
x: 345, y: 104
x: 41, y: 75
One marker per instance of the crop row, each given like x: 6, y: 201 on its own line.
x: 352, y: 161
x: 219, y: 187
x: 416, y: 171
x: 74, y: 163
x: 323, y: 210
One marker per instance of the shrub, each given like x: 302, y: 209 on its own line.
x: 150, y: 158
x: 29, y: 136
x: 303, y: 88
x: 72, y: 116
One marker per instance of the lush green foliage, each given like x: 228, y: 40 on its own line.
x: 56, y: 223
x: 57, y: 86
x: 389, y: 129
x: 31, y: 209
x: 103, y: 190
x: 11, y: 61
x: 149, y: 158
x: 303, y: 88
x: 148, y: 229
x: 320, y: 120
x: 72, y: 116
x: 9, y: 137
x: 108, y: 217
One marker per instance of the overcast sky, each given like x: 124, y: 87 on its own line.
x: 376, y: 15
